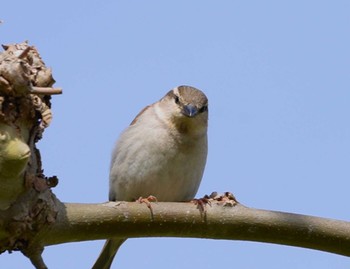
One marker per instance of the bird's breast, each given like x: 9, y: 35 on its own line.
x: 157, y: 163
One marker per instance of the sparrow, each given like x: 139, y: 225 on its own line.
x: 162, y: 154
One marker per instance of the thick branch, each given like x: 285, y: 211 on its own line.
x: 79, y: 222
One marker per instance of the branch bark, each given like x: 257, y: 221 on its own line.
x: 82, y: 222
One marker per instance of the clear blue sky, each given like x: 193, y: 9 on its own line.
x: 277, y: 77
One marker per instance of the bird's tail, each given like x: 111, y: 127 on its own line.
x: 107, y: 254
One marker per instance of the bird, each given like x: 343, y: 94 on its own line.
x: 162, y: 154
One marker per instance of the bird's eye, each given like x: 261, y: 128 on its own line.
x: 203, y: 108
x: 177, y: 100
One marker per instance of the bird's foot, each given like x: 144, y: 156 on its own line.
x: 148, y: 202
x: 201, y: 203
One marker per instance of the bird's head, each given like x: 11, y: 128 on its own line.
x: 187, y: 109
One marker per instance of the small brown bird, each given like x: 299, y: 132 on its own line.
x: 162, y: 153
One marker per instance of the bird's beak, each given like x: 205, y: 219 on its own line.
x: 190, y: 110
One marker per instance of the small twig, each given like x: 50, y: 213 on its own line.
x: 45, y: 90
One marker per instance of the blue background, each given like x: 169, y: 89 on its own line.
x: 277, y: 77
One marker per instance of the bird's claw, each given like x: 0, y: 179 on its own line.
x: 202, y: 202
x: 148, y: 202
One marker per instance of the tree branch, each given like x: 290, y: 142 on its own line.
x: 81, y: 222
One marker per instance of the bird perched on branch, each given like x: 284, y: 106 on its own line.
x: 162, y: 153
